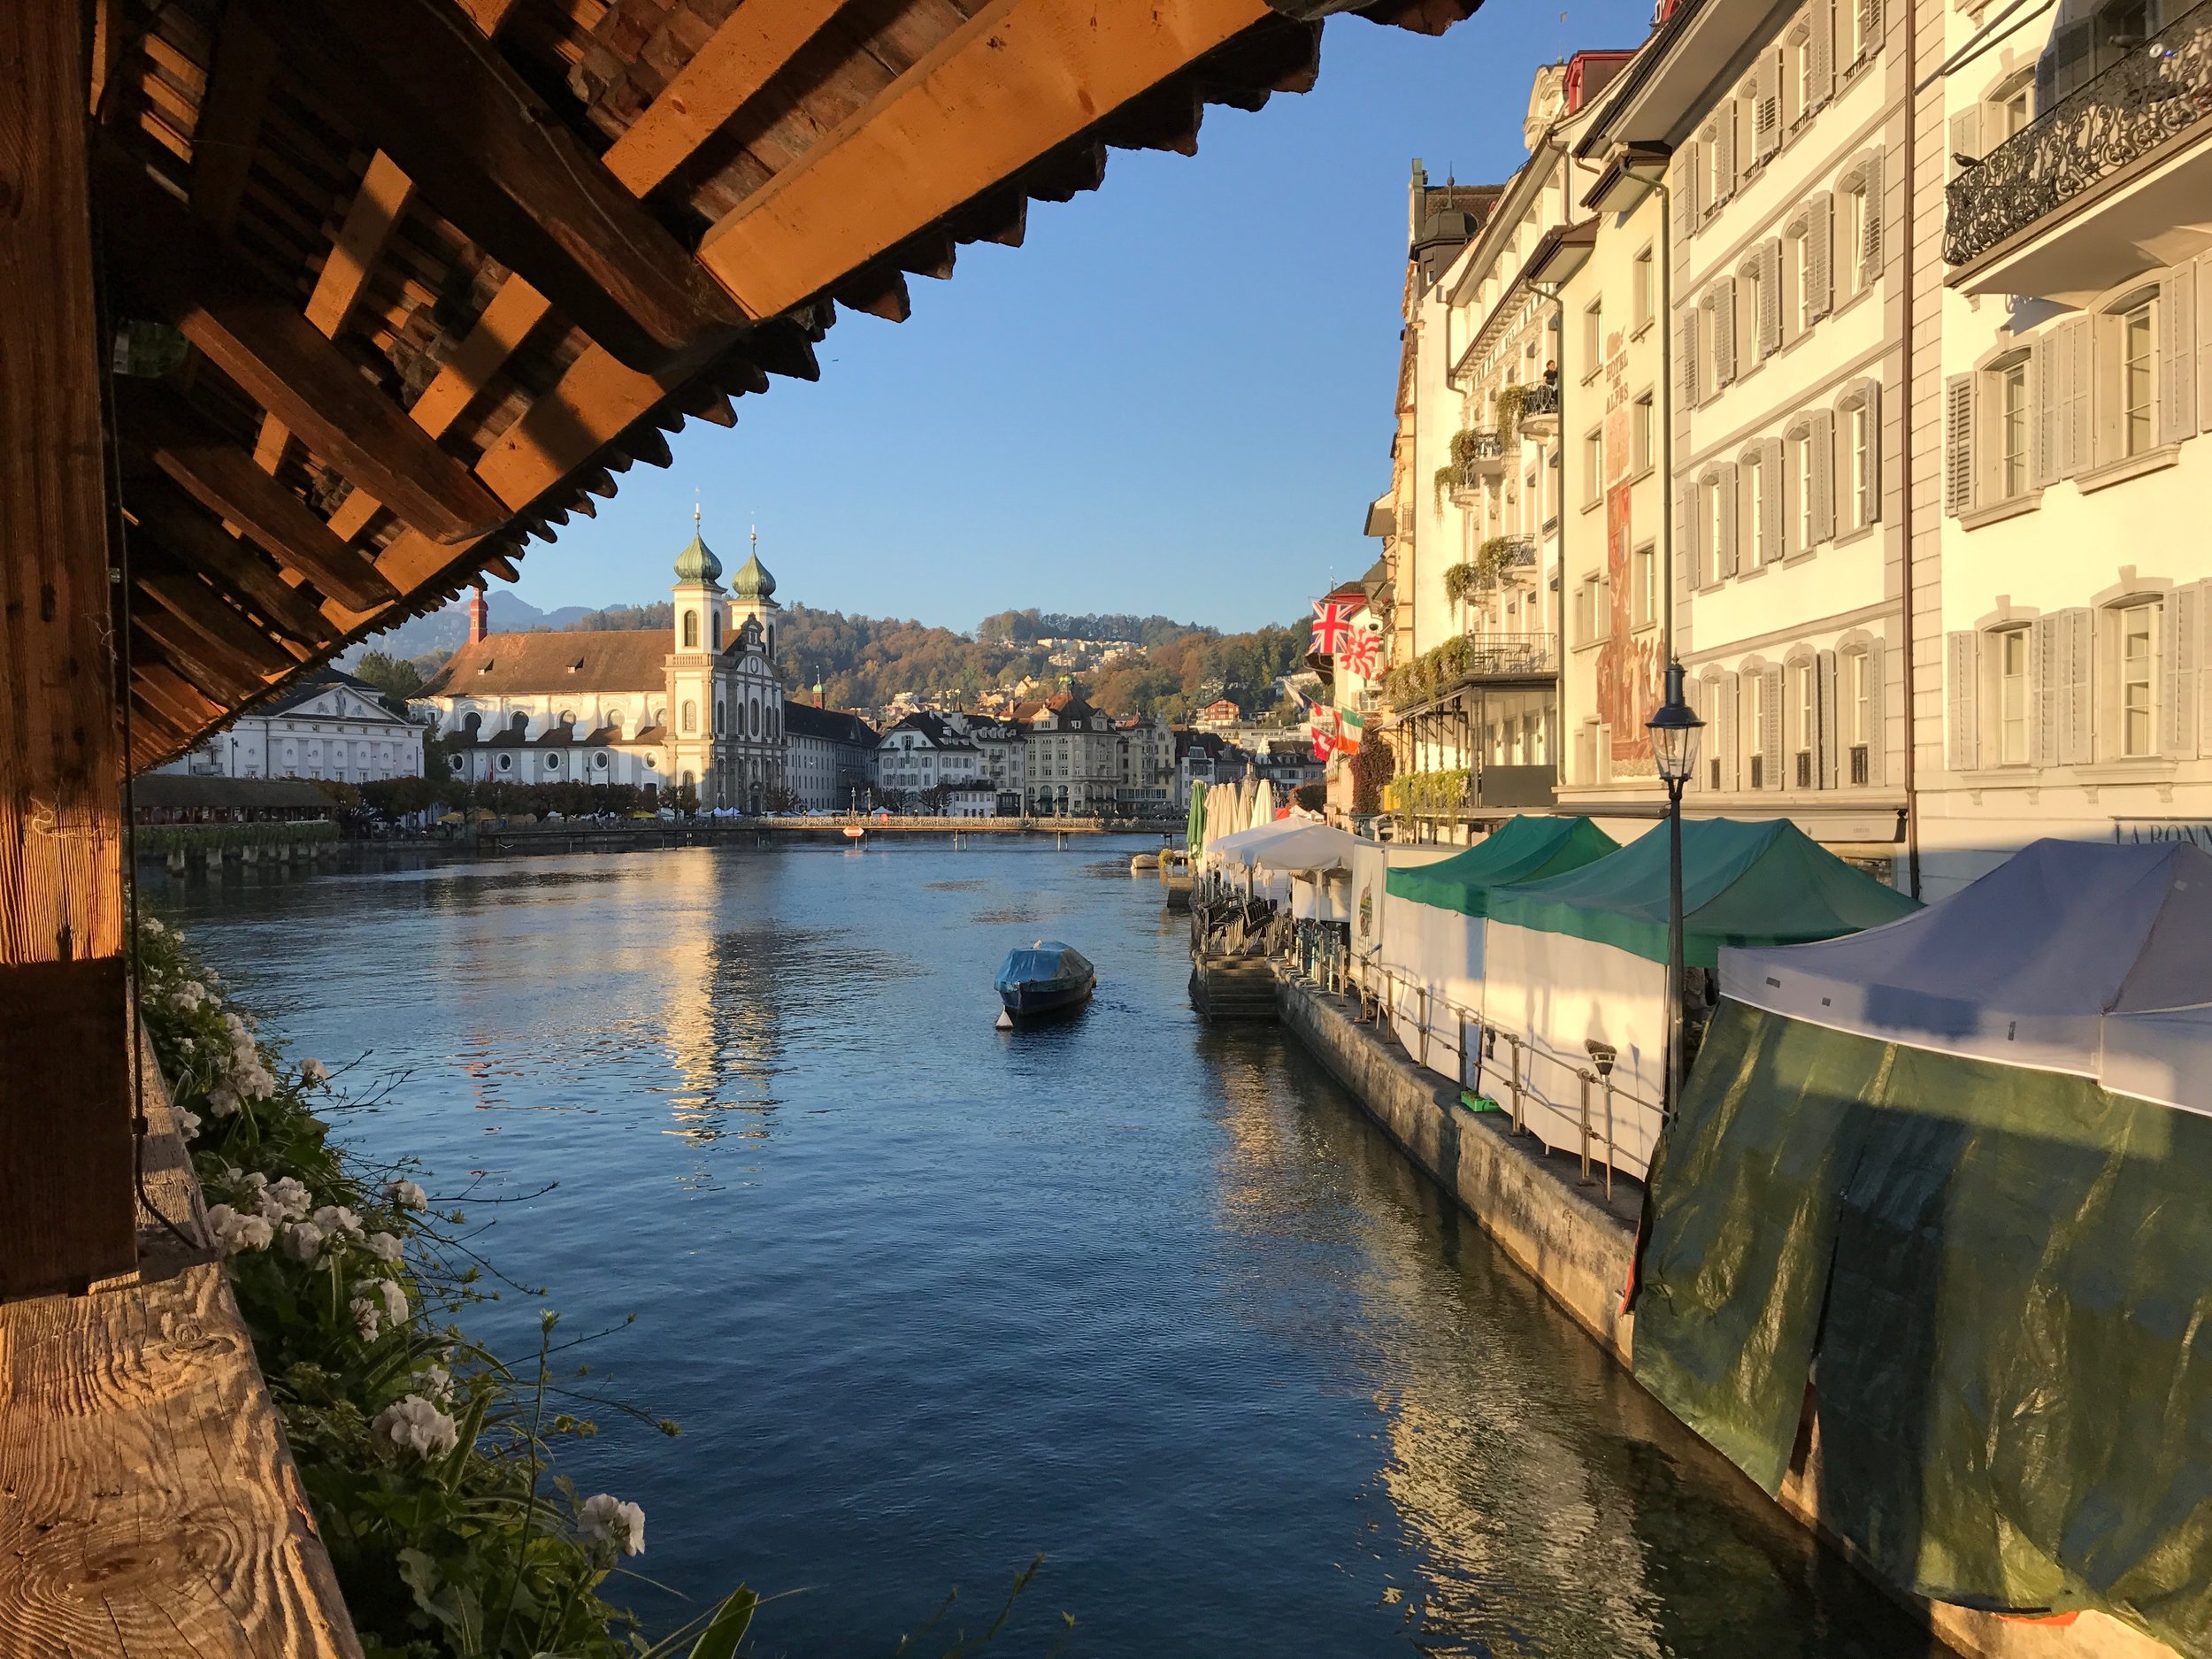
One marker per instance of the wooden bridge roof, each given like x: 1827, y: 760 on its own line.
x: 399, y: 284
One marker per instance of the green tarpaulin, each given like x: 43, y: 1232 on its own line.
x: 1765, y: 883
x: 2006, y: 1278
x: 1526, y: 849
x: 1195, y: 826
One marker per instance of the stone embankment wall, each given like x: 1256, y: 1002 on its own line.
x: 1579, y: 1249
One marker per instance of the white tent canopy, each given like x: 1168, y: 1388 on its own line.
x: 1306, y: 847
x: 2070, y: 957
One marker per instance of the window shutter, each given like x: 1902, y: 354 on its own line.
x: 1966, y: 138
x: 1682, y: 194
x: 1769, y: 319
x: 1870, y: 28
x: 1686, y: 355
x: 1873, y: 451
x: 2176, y: 355
x: 2043, y: 418
x: 1725, y: 562
x: 2076, y: 735
x: 1819, y: 228
x: 1771, y: 466
x: 1723, y: 301
x: 2197, y: 627
x: 1958, y: 443
x: 2074, y: 382
x: 1771, y: 724
x: 1822, y: 438
x: 2203, y: 265
x: 1878, y: 723
x: 1823, y: 47
x: 1961, y: 685
x: 1723, y: 130
x: 2044, y: 677
x: 1684, y: 552
x: 1825, y: 684
x: 2178, y: 674
x: 1730, y: 746
x: 1869, y: 252
x: 1767, y: 112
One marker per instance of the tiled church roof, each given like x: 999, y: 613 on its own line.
x: 524, y: 664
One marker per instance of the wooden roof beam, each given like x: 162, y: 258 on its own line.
x: 369, y: 223
x: 214, y: 671
x: 1020, y: 77
x: 223, y: 478
x: 481, y: 146
x: 166, y: 518
x: 175, y: 266
x: 195, y: 603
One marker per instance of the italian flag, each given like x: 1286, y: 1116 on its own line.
x: 1350, y: 727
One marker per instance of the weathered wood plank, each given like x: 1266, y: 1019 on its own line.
x: 507, y: 171
x: 368, y: 225
x: 176, y: 266
x: 65, y: 1166
x: 152, y: 1510
x: 167, y: 519
x: 1020, y: 77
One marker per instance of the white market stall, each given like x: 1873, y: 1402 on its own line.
x: 1580, y: 959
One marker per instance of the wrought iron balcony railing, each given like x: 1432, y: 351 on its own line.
x: 2159, y: 91
x: 1541, y: 399
x: 1511, y: 654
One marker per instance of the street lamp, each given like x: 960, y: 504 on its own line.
x: 1674, y: 727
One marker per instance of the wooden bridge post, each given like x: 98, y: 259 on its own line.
x: 67, y: 1211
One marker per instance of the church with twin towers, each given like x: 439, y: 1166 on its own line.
x: 696, y: 711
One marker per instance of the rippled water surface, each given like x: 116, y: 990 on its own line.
x: 1151, y: 1299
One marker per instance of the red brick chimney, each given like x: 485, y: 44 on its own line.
x: 480, y: 615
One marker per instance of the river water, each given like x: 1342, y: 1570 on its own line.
x: 1151, y: 1299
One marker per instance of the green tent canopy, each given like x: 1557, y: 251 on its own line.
x: 1529, y: 848
x: 1763, y: 883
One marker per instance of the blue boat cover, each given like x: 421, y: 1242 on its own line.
x: 1047, y: 962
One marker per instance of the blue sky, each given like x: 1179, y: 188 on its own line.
x: 1173, y: 397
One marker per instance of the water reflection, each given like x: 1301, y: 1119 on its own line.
x: 1147, y: 1296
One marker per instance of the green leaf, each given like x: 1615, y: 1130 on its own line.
x: 727, y: 1627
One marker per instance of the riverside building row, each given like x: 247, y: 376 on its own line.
x: 699, y: 708
x: 1856, y: 353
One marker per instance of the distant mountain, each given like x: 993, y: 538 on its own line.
x: 441, y: 632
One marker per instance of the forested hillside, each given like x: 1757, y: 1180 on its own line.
x: 864, y: 662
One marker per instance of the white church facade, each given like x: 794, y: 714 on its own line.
x: 698, y: 708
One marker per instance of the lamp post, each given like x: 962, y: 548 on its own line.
x: 1674, y: 727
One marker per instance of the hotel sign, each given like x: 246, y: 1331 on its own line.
x: 2136, y: 831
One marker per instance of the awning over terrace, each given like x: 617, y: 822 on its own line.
x: 1525, y: 848
x: 2069, y: 956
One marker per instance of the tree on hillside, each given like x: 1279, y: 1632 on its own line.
x: 398, y: 679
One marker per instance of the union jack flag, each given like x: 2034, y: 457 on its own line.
x: 1358, y: 652
x: 1332, y: 627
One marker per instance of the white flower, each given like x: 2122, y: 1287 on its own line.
x: 190, y: 995
x: 252, y: 1081
x: 314, y: 1071
x: 222, y: 1100
x: 335, y: 1219
x: 608, y: 1520
x: 394, y: 1296
x: 152, y: 925
x: 188, y: 1123
x: 384, y: 1246
x: 437, y: 1384
x: 285, y: 1200
x: 304, y: 1240
x: 416, y: 1426
x: 234, y: 1232
x: 364, y: 1317
x: 405, y: 1196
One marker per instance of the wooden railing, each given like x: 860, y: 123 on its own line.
x: 149, y: 1508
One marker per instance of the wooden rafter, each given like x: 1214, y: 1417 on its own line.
x: 383, y: 197
x: 195, y: 603
x: 1018, y: 78
x: 177, y: 267
x: 435, y: 95
x: 169, y: 521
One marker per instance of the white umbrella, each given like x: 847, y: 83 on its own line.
x: 1262, y: 804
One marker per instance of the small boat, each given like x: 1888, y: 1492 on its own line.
x: 1143, y: 860
x: 1043, y: 978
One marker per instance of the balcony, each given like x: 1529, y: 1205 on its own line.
x: 1539, y: 412
x: 2067, y: 207
x: 1477, y: 456
x: 1434, y: 675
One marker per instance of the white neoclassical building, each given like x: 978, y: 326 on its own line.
x: 699, y: 707
x: 328, y: 725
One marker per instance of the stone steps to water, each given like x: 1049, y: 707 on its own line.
x: 1233, y: 987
